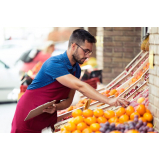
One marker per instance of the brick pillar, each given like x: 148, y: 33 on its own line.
x: 93, y: 31
x: 154, y: 75
x: 99, y: 47
x: 120, y: 46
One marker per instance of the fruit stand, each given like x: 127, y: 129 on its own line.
x: 131, y: 84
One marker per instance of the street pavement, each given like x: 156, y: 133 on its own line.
x: 6, y: 115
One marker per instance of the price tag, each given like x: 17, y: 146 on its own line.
x: 151, y: 59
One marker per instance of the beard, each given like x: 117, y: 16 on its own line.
x: 76, y: 57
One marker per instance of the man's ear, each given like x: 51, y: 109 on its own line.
x: 73, y: 46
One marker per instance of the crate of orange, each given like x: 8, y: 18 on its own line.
x: 136, y: 60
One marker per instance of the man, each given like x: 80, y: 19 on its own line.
x: 58, y: 80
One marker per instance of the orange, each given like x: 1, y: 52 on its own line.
x: 132, y: 131
x: 77, y: 112
x: 70, y: 127
x: 65, y: 131
x: 87, y: 113
x: 109, y: 114
x: 87, y: 130
x: 78, y: 119
x: 107, y: 91
x: 116, y: 124
x: 76, y: 131
x: 113, y: 120
x: 90, y: 120
x: 81, y: 126
x: 112, y: 92
x: 140, y: 100
x: 150, y: 125
x: 133, y: 114
x: 148, y: 117
x: 123, y: 118
x: 115, y: 131
x: 134, y: 80
x: 98, y: 112
x: 120, y: 111
x: 129, y: 110
x: 148, y: 111
x: 95, y: 127
x: 63, y: 128
x: 101, y: 120
x: 141, y: 109
x: 71, y: 120
x: 141, y: 118
x: 97, y: 132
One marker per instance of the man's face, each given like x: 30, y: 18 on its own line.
x: 79, y: 55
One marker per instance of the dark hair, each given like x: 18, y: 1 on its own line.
x: 79, y: 36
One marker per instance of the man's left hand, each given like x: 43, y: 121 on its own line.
x: 50, y: 109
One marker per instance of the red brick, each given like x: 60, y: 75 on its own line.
x: 128, y: 55
x: 137, y: 39
x: 123, y: 28
x: 108, y: 39
x: 128, y: 49
x: 108, y: 28
x: 113, y: 33
x: 107, y: 54
x: 137, y: 28
x: 134, y: 44
x: 117, y: 59
x: 111, y: 75
x: 118, y: 54
x: 112, y: 44
x: 127, y: 59
x: 137, y: 49
x: 107, y: 49
x: 117, y: 70
x: 107, y: 59
x: 118, y: 49
x: 113, y: 64
x: 123, y: 38
x: 107, y: 70
x: 130, y: 33
x: 106, y: 81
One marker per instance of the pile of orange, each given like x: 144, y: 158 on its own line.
x: 86, y: 121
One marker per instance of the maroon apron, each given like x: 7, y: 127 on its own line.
x: 32, y: 99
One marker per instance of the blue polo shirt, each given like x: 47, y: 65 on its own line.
x: 53, y: 68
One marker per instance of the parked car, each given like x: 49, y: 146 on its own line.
x: 11, y: 50
x: 9, y: 83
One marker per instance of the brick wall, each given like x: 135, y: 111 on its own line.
x: 93, y: 31
x: 154, y: 75
x: 120, y: 46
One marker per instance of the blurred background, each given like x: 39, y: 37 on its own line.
x: 23, y: 50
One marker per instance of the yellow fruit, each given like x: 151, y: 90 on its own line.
x: 140, y: 100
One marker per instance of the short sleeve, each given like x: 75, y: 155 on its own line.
x: 56, y: 70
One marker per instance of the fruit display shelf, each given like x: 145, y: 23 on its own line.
x: 142, y: 67
x: 136, y: 60
x: 114, y: 81
x: 134, y: 87
x: 139, y: 63
x: 140, y: 90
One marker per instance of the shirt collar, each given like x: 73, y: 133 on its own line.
x: 67, y: 62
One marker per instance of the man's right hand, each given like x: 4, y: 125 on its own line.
x: 118, y: 102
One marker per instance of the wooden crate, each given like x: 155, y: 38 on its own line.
x: 137, y: 59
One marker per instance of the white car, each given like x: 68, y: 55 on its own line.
x: 9, y: 83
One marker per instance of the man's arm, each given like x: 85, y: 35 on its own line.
x: 62, y: 105
x: 74, y: 83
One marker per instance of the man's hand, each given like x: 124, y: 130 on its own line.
x: 118, y: 102
x: 50, y: 109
